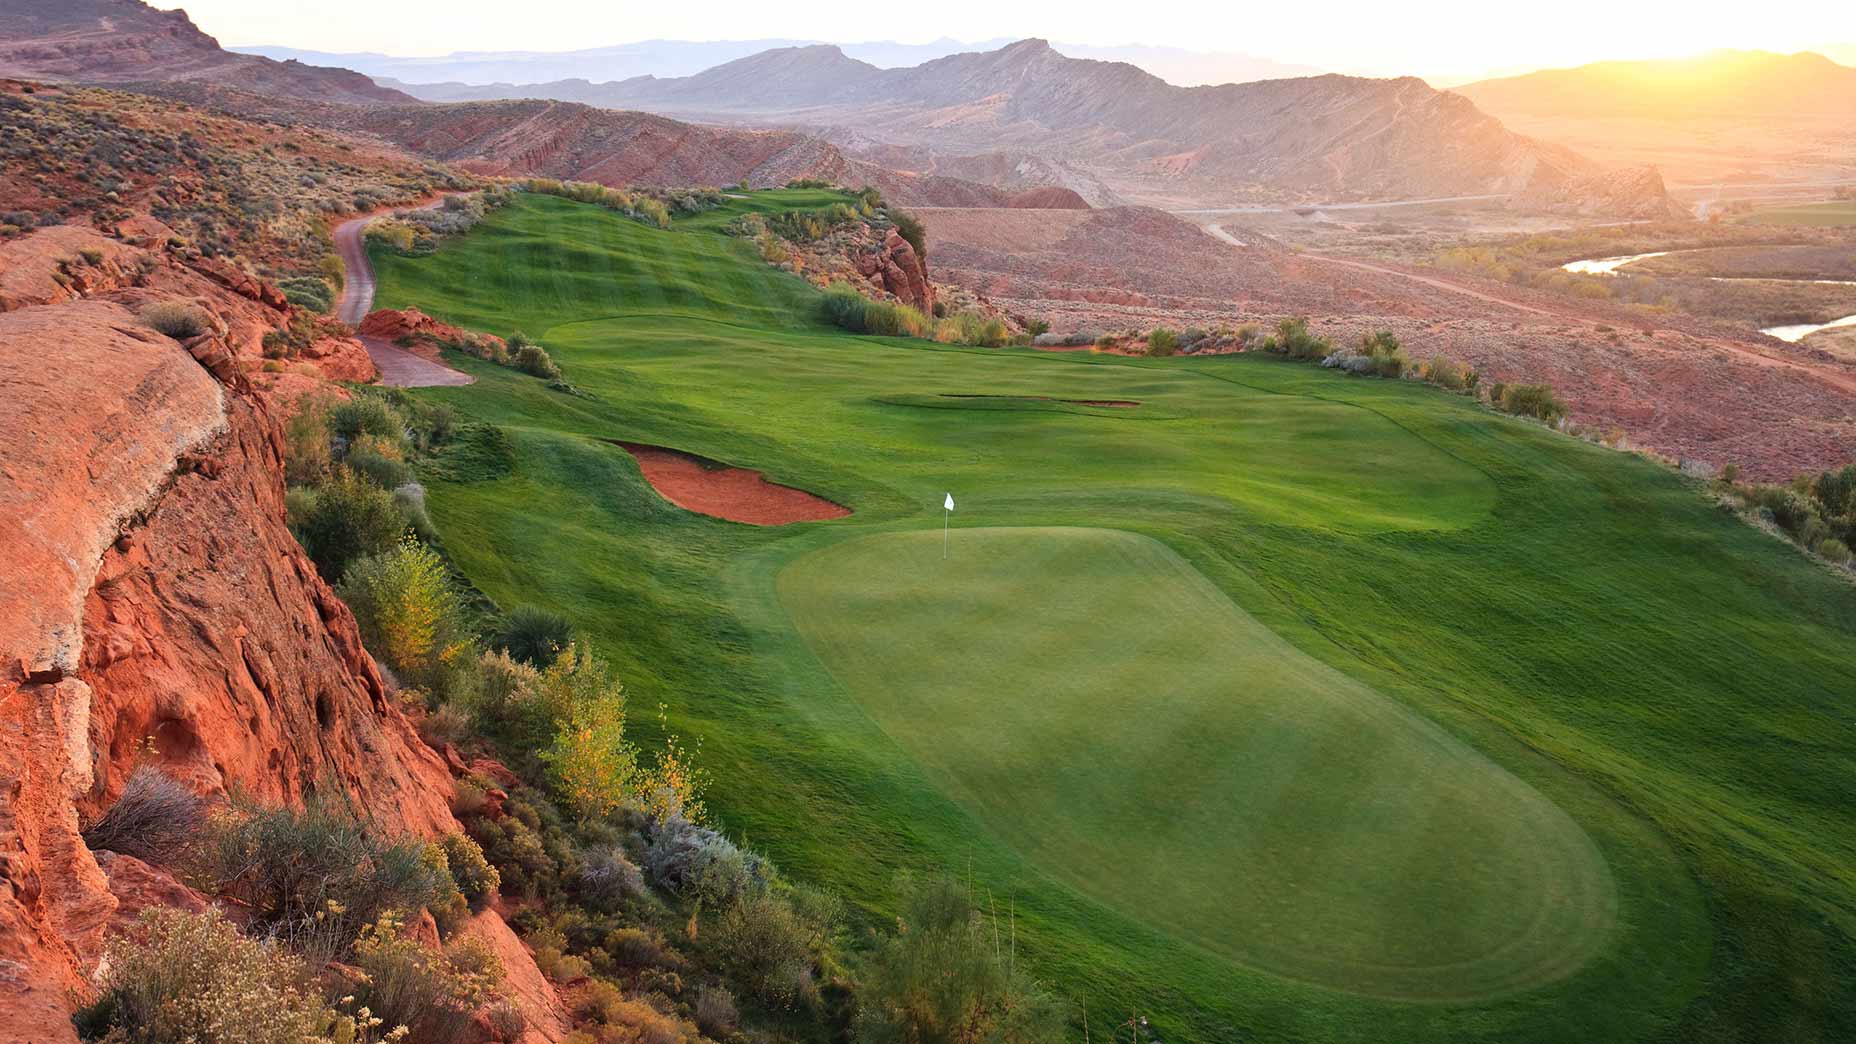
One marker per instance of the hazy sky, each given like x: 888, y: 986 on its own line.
x: 1436, y: 38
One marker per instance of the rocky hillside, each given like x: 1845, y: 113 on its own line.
x: 1324, y: 137
x: 126, y: 41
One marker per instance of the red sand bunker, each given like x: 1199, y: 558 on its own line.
x: 736, y: 494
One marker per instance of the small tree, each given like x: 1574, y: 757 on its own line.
x: 406, y: 607
x: 591, y: 765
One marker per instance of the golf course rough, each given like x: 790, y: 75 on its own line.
x: 1107, y: 711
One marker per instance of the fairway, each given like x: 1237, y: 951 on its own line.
x: 1280, y: 706
x: 1110, y: 714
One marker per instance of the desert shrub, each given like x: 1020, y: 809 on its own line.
x: 316, y: 870
x: 506, y: 1021
x: 698, y: 862
x: 349, y: 519
x: 847, y: 308
x: 519, y: 853
x: 432, y: 994
x: 155, y: 818
x: 767, y: 946
x: 971, y: 328
x: 671, y: 783
x: 1387, y: 356
x: 1162, y: 341
x: 534, y: 635
x: 367, y: 415
x: 183, y: 978
x: 311, y: 292
x: 383, y: 471
x: 176, y: 319
x: 475, y: 877
x: 1293, y: 339
x: 1833, y: 550
x: 533, y: 359
x: 715, y: 1011
x: 944, y: 977
x: 409, y: 614
x: 607, y: 879
x: 911, y: 230
x: 445, y: 724
x: 306, y: 442
x: 1448, y: 373
x: 409, y: 497
x: 1531, y: 400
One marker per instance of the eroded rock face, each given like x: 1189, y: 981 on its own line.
x: 151, y: 594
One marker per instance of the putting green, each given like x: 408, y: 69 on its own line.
x: 1109, y: 713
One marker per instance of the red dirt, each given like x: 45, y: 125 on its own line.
x: 736, y: 494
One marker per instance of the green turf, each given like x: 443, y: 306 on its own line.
x: 1675, y: 682
x: 1842, y: 212
x: 1110, y: 714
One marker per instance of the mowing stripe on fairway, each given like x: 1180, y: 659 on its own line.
x: 1112, y: 715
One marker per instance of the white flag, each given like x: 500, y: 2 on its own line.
x: 950, y: 502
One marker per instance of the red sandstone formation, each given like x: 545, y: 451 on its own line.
x: 152, y: 596
x: 899, y: 271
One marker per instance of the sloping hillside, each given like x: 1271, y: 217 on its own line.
x: 125, y: 41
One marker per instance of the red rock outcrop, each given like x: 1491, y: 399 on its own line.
x: 897, y: 268
x: 342, y: 359
x: 1050, y: 197
x: 415, y: 330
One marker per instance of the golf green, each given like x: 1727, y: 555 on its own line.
x: 1104, y: 709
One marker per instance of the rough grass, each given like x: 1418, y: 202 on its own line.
x: 1818, y: 214
x: 1674, y: 681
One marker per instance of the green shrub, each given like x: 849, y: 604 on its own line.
x: 533, y: 359
x: 349, y: 518
x: 1293, y: 339
x: 385, y: 472
x: 155, y: 818
x: 367, y: 415
x: 768, y: 947
x: 1832, y: 550
x: 534, y: 635
x: 176, y: 319
x: 317, y: 873
x: 1531, y: 400
x: 944, y: 978
x: 184, y: 978
x: 1162, y: 341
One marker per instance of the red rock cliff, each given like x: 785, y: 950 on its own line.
x: 149, y: 589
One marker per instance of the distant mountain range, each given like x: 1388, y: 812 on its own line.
x: 1132, y: 133
x: 668, y: 58
x: 121, y: 41
x: 972, y: 128
x: 1724, y: 83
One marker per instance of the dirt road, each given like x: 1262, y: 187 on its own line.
x: 398, y: 367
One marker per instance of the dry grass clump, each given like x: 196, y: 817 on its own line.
x: 155, y: 818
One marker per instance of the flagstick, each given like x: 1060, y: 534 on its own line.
x: 946, y: 516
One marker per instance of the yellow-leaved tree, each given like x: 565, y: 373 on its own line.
x: 591, y: 766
